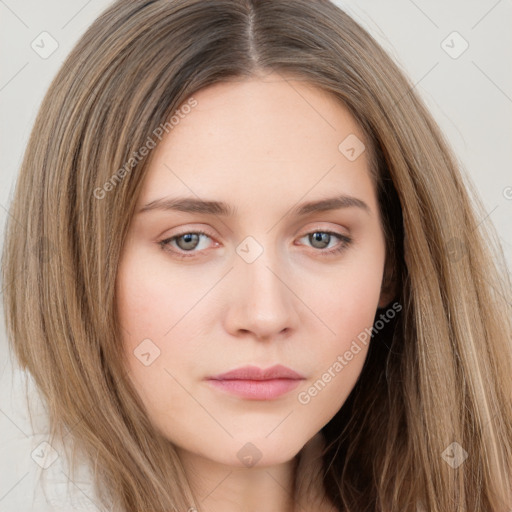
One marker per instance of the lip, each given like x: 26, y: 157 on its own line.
x: 250, y: 372
x: 255, y: 383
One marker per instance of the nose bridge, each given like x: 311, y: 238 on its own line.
x: 261, y: 302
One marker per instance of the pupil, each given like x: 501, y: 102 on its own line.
x: 322, y: 238
x: 188, y: 238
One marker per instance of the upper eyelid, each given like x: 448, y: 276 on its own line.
x: 313, y: 229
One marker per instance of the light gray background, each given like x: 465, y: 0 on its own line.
x: 470, y: 96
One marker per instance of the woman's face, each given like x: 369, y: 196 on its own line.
x: 278, y: 278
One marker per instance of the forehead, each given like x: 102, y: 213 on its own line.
x: 281, y: 113
x: 260, y: 137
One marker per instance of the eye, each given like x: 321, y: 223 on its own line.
x: 322, y: 239
x: 184, y: 243
x: 190, y: 242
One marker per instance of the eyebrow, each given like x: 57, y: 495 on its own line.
x: 195, y: 205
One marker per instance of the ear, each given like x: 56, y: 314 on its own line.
x: 389, y: 283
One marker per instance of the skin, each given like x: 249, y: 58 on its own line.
x: 262, y: 145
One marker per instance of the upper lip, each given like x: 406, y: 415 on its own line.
x: 254, y: 373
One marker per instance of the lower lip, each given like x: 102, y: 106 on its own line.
x: 257, y: 389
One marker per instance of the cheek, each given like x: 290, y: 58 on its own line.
x: 339, y: 361
x: 346, y: 298
x: 151, y: 299
x: 155, y: 308
x: 346, y: 304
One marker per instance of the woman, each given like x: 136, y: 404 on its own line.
x: 255, y: 183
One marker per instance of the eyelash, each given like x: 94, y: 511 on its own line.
x: 164, y: 244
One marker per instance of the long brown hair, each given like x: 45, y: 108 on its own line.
x: 440, y: 373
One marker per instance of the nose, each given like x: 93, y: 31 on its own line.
x: 261, y: 301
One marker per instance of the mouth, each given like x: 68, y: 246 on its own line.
x: 256, y: 389
x: 251, y: 382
